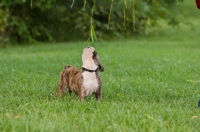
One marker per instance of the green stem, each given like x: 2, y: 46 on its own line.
x: 125, y: 6
x: 72, y: 4
x: 110, y: 15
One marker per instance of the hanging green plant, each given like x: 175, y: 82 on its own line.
x: 31, y: 21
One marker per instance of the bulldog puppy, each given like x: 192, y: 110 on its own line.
x: 86, y: 81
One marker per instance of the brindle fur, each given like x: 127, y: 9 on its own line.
x: 71, y: 80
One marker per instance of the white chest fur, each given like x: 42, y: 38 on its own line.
x: 90, y: 82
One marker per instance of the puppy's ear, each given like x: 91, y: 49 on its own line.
x: 97, y: 61
x: 94, y: 54
x: 101, y: 68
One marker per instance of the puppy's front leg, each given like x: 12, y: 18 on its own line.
x: 98, y: 94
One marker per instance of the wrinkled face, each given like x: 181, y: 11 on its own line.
x: 90, y: 57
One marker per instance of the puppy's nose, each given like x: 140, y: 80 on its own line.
x: 88, y: 47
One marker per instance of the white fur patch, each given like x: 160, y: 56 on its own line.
x: 90, y: 82
x: 87, y: 59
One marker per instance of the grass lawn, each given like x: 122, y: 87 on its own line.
x: 149, y: 84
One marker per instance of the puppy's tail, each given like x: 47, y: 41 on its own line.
x: 67, y: 66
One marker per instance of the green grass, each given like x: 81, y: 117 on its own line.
x: 149, y: 84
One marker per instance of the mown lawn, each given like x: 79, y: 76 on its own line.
x: 149, y: 84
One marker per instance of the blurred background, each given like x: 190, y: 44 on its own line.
x: 28, y: 22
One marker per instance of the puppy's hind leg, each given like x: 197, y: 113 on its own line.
x: 62, y: 84
x: 61, y: 87
x: 81, y: 94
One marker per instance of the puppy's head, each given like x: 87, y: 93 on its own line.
x: 90, y: 57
